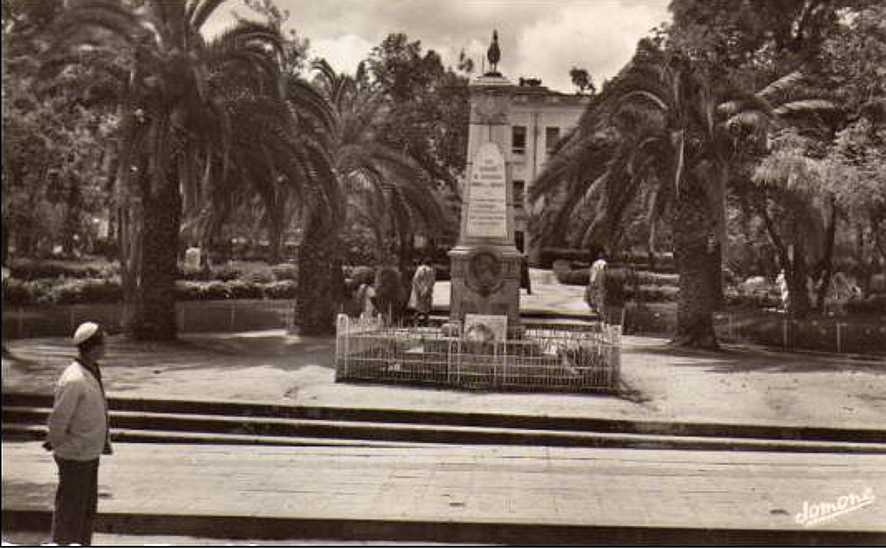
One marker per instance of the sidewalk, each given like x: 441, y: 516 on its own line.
x: 462, y: 494
x: 738, y: 386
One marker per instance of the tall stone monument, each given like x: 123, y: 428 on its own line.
x: 485, y: 263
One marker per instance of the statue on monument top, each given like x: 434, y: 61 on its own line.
x: 493, y: 54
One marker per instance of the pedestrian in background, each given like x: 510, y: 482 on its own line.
x: 525, y: 280
x: 422, y: 297
x: 595, y: 290
x: 78, y: 436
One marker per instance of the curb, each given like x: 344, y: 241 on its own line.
x: 343, y: 529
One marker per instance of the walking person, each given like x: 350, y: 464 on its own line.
x: 78, y: 436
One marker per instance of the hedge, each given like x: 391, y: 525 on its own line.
x: 579, y: 277
x: 547, y: 256
x: 873, y: 304
x: 31, y: 269
x: 96, y: 290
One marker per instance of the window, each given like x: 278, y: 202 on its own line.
x: 519, y: 187
x: 519, y: 240
x: 518, y: 140
x: 552, y: 135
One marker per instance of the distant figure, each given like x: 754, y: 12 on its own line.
x: 6, y: 273
x: 391, y: 295
x: 782, y: 284
x: 366, y: 301
x: 595, y: 290
x: 525, y: 281
x: 78, y: 435
x: 422, y: 297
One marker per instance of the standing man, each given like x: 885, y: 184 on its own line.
x: 78, y: 435
x: 422, y: 297
x: 595, y: 293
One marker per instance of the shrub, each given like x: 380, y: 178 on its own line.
x: 362, y: 274
x: 873, y: 304
x: 258, y: 276
x: 285, y: 271
x: 62, y: 291
x: 243, y: 289
x: 573, y: 277
x: 224, y: 272
x: 201, y: 275
x: 654, y: 294
x: 199, y: 291
x: 90, y: 290
x: 30, y: 269
x: 649, y: 278
x: 282, y: 289
x: 17, y: 292
x: 547, y: 256
x: 758, y: 300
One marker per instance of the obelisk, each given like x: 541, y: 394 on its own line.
x: 485, y: 263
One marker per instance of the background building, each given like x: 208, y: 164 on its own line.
x: 538, y: 118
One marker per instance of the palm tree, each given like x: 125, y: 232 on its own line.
x: 673, y: 129
x: 367, y: 175
x: 174, y: 101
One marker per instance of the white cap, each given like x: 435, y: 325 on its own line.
x: 85, y: 331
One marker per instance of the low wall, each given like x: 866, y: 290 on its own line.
x: 235, y: 315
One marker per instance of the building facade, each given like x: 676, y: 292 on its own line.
x: 538, y: 118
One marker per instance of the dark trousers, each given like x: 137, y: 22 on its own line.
x: 76, y: 501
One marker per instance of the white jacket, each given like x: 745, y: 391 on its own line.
x: 78, y: 424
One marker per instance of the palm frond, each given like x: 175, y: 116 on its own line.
x: 804, y: 106
x: 781, y: 86
x: 201, y: 11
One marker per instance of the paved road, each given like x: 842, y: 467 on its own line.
x: 469, y: 484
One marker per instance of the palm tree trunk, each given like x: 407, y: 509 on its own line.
x: 275, y: 236
x: 149, y: 248
x: 698, y: 264
x: 321, y: 285
x: 826, y: 268
x: 72, y: 215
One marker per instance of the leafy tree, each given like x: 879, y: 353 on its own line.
x: 857, y: 165
x: 676, y: 124
x: 172, y: 108
x: 820, y: 188
x: 427, y: 106
x: 581, y: 79
x: 53, y: 142
x: 384, y: 186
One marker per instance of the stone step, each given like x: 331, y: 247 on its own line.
x: 427, y: 433
x: 41, y: 404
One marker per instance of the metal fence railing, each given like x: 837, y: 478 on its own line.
x: 833, y: 335
x: 544, y: 359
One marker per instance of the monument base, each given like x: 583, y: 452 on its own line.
x: 486, y: 280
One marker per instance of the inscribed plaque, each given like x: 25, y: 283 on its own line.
x: 487, y: 194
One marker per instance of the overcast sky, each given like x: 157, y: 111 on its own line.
x: 539, y: 38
